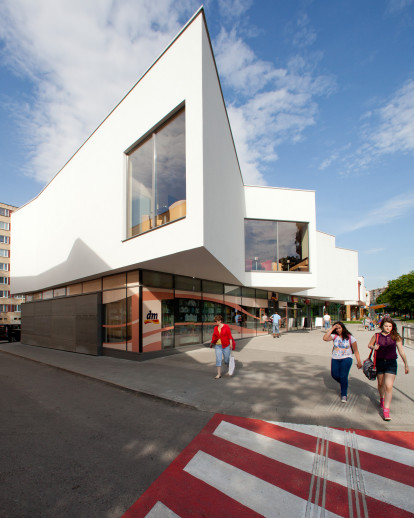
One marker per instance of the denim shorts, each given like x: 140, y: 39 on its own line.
x: 220, y: 352
x: 386, y: 366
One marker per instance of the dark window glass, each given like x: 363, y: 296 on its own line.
x: 293, y: 246
x: 212, y: 287
x: 157, y: 279
x: 260, y: 294
x: 115, y: 317
x: 187, y: 283
x: 188, y: 327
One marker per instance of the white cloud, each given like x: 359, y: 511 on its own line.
x: 395, y: 131
x: 231, y: 9
x: 82, y: 58
x: 373, y: 251
x: 305, y: 34
x: 271, y: 105
x: 396, y: 6
x: 386, y: 130
x: 385, y: 213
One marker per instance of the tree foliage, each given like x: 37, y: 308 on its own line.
x: 400, y: 293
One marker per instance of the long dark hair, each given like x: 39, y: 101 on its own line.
x: 394, y: 333
x: 345, y: 333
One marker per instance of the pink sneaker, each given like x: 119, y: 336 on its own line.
x: 386, y: 414
x: 381, y: 402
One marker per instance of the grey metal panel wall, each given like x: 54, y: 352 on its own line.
x: 69, y: 324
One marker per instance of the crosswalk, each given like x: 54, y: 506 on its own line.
x: 247, y: 467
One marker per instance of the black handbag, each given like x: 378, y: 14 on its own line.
x: 368, y: 367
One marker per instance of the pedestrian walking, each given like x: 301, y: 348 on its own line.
x: 222, y: 339
x: 265, y: 320
x: 344, y: 345
x: 326, y: 321
x: 386, y: 343
x: 276, y: 318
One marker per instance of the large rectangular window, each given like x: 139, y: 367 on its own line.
x: 5, y: 239
x: 157, y: 178
x: 276, y: 246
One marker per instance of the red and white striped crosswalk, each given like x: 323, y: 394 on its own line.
x: 247, y: 467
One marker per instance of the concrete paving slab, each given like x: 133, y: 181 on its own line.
x: 286, y: 379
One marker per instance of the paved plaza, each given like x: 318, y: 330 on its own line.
x: 283, y: 379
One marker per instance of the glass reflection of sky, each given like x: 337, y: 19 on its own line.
x: 170, y: 172
x: 275, y: 241
x: 261, y: 240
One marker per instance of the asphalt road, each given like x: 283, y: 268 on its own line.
x: 74, y: 447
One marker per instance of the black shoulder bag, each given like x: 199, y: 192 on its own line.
x: 368, y: 366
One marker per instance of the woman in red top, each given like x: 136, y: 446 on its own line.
x: 386, y: 344
x: 221, y: 339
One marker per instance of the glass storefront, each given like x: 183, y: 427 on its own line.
x: 262, y: 308
x: 249, y: 312
x: 188, y: 323
x: 213, y: 297
x: 233, y: 313
x: 120, y: 298
x: 165, y: 311
x: 114, y: 302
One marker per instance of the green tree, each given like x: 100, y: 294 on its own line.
x: 400, y: 294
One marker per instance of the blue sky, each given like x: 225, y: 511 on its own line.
x: 320, y: 96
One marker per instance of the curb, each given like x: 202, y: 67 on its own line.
x: 106, y: 382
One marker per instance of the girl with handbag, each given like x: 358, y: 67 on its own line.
x: 221, y: 339
x: 344, y: 345
x: 386, y: 343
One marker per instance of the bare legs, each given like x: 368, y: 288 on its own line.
x: 385, y: 384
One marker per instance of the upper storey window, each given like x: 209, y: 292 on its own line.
x: 157, y: 178
x: 277, y: 246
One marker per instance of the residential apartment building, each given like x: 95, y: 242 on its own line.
x: 374, y: 294
x: 10, y: 307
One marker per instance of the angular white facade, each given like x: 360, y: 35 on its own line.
x: 84, y: 210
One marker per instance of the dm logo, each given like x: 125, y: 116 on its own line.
x: 151, y: 318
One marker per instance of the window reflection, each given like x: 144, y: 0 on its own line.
x: 156, y: 178
x: 114, y: 319
x: 277, y: 246
x: 261, y: 245
x: 293, y: 246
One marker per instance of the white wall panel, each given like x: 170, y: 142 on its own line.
x: 76, y: 226
x: 337, y: 271
x: 223, y: 185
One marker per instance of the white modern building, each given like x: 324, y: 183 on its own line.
x: 150, y: 230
